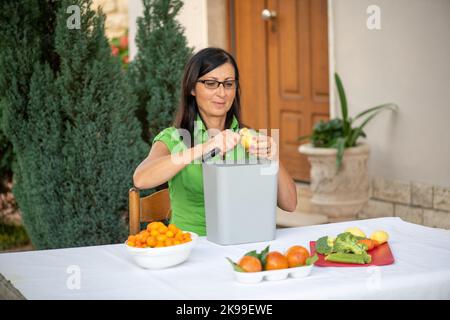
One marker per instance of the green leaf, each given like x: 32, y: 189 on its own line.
x: 340, y: 146
x: 355, y: 134
x: 236, y: 267
x: 263, y: 256
x: 343, y: 99
x: 115, y: 42
x: 370, y: 118
x: 252, y: 254
x: 122, y: 55
x: 331, y: 144
x: 312, y: 260
x: 391, y: 106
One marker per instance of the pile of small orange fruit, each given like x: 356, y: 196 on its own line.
x: 158, y: 235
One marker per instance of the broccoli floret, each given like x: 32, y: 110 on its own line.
x: 348, y: 243
x: 367, y: 257
x: 322, y: 246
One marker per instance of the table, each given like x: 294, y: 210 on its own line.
x: 421, y: 270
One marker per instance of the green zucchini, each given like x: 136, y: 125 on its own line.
x: 349, y: 258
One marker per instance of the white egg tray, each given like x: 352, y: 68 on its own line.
x: 272, y: 275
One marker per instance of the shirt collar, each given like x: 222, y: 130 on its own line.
x: 201, y: 131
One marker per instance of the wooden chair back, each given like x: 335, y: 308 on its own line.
x: 155, y: 207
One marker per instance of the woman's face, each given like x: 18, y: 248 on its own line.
x: 215, y: 102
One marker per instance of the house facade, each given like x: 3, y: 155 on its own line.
x: 384, y: 51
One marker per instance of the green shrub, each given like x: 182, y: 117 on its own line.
x: 71, y: 120
x: 157, y: 69
x: 12, y: 236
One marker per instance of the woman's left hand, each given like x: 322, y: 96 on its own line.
x: 264, y: 147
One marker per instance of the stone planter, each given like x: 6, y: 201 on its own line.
x: 339, y: 194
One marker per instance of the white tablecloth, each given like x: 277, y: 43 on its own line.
x: 421, y: 270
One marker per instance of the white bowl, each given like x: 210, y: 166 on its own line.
x: 272, y: 275
x: 164, y: 257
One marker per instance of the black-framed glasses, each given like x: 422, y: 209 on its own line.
x: 214, y: 84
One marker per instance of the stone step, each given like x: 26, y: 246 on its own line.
x: 8, y: 291
x: 299, y: 219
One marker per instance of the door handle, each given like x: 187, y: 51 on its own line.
x: 267, y: 14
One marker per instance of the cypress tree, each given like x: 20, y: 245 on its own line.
x: 75, y: 135
x: 19, y: 28
x: 157, y: 69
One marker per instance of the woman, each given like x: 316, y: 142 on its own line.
x: 209, y: 112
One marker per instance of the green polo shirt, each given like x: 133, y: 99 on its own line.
x: 186, y: 187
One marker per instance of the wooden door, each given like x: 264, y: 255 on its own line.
x: 251, y: 54
x: 284, y: 70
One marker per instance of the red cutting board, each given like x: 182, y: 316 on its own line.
x: 381, y: 256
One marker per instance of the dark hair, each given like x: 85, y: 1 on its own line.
x: 200, y: 64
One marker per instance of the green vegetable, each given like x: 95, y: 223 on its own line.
x: 345, y: 249
x: 349, y: 258
x: 322, y: 246
x: 311, y: 260
x: 348, y: 243
x: 236, y: 267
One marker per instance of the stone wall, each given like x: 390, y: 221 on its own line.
x: 419, y: 203
x: 116, y: 12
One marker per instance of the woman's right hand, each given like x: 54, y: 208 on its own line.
x: 224, y: 140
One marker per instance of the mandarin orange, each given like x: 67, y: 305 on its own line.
x: 296, y: 256
x: 275, y: 261
x: 250, y: 264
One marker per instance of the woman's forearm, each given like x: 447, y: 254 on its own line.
x: 154, y: 172
x: 287, y: 191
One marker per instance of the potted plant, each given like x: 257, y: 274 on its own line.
x: 339, y: 163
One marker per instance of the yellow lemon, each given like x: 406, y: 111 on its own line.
x: 356, y: 232
x: 246, y: 142
x: 246, y: 138
x: 380, y: 236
